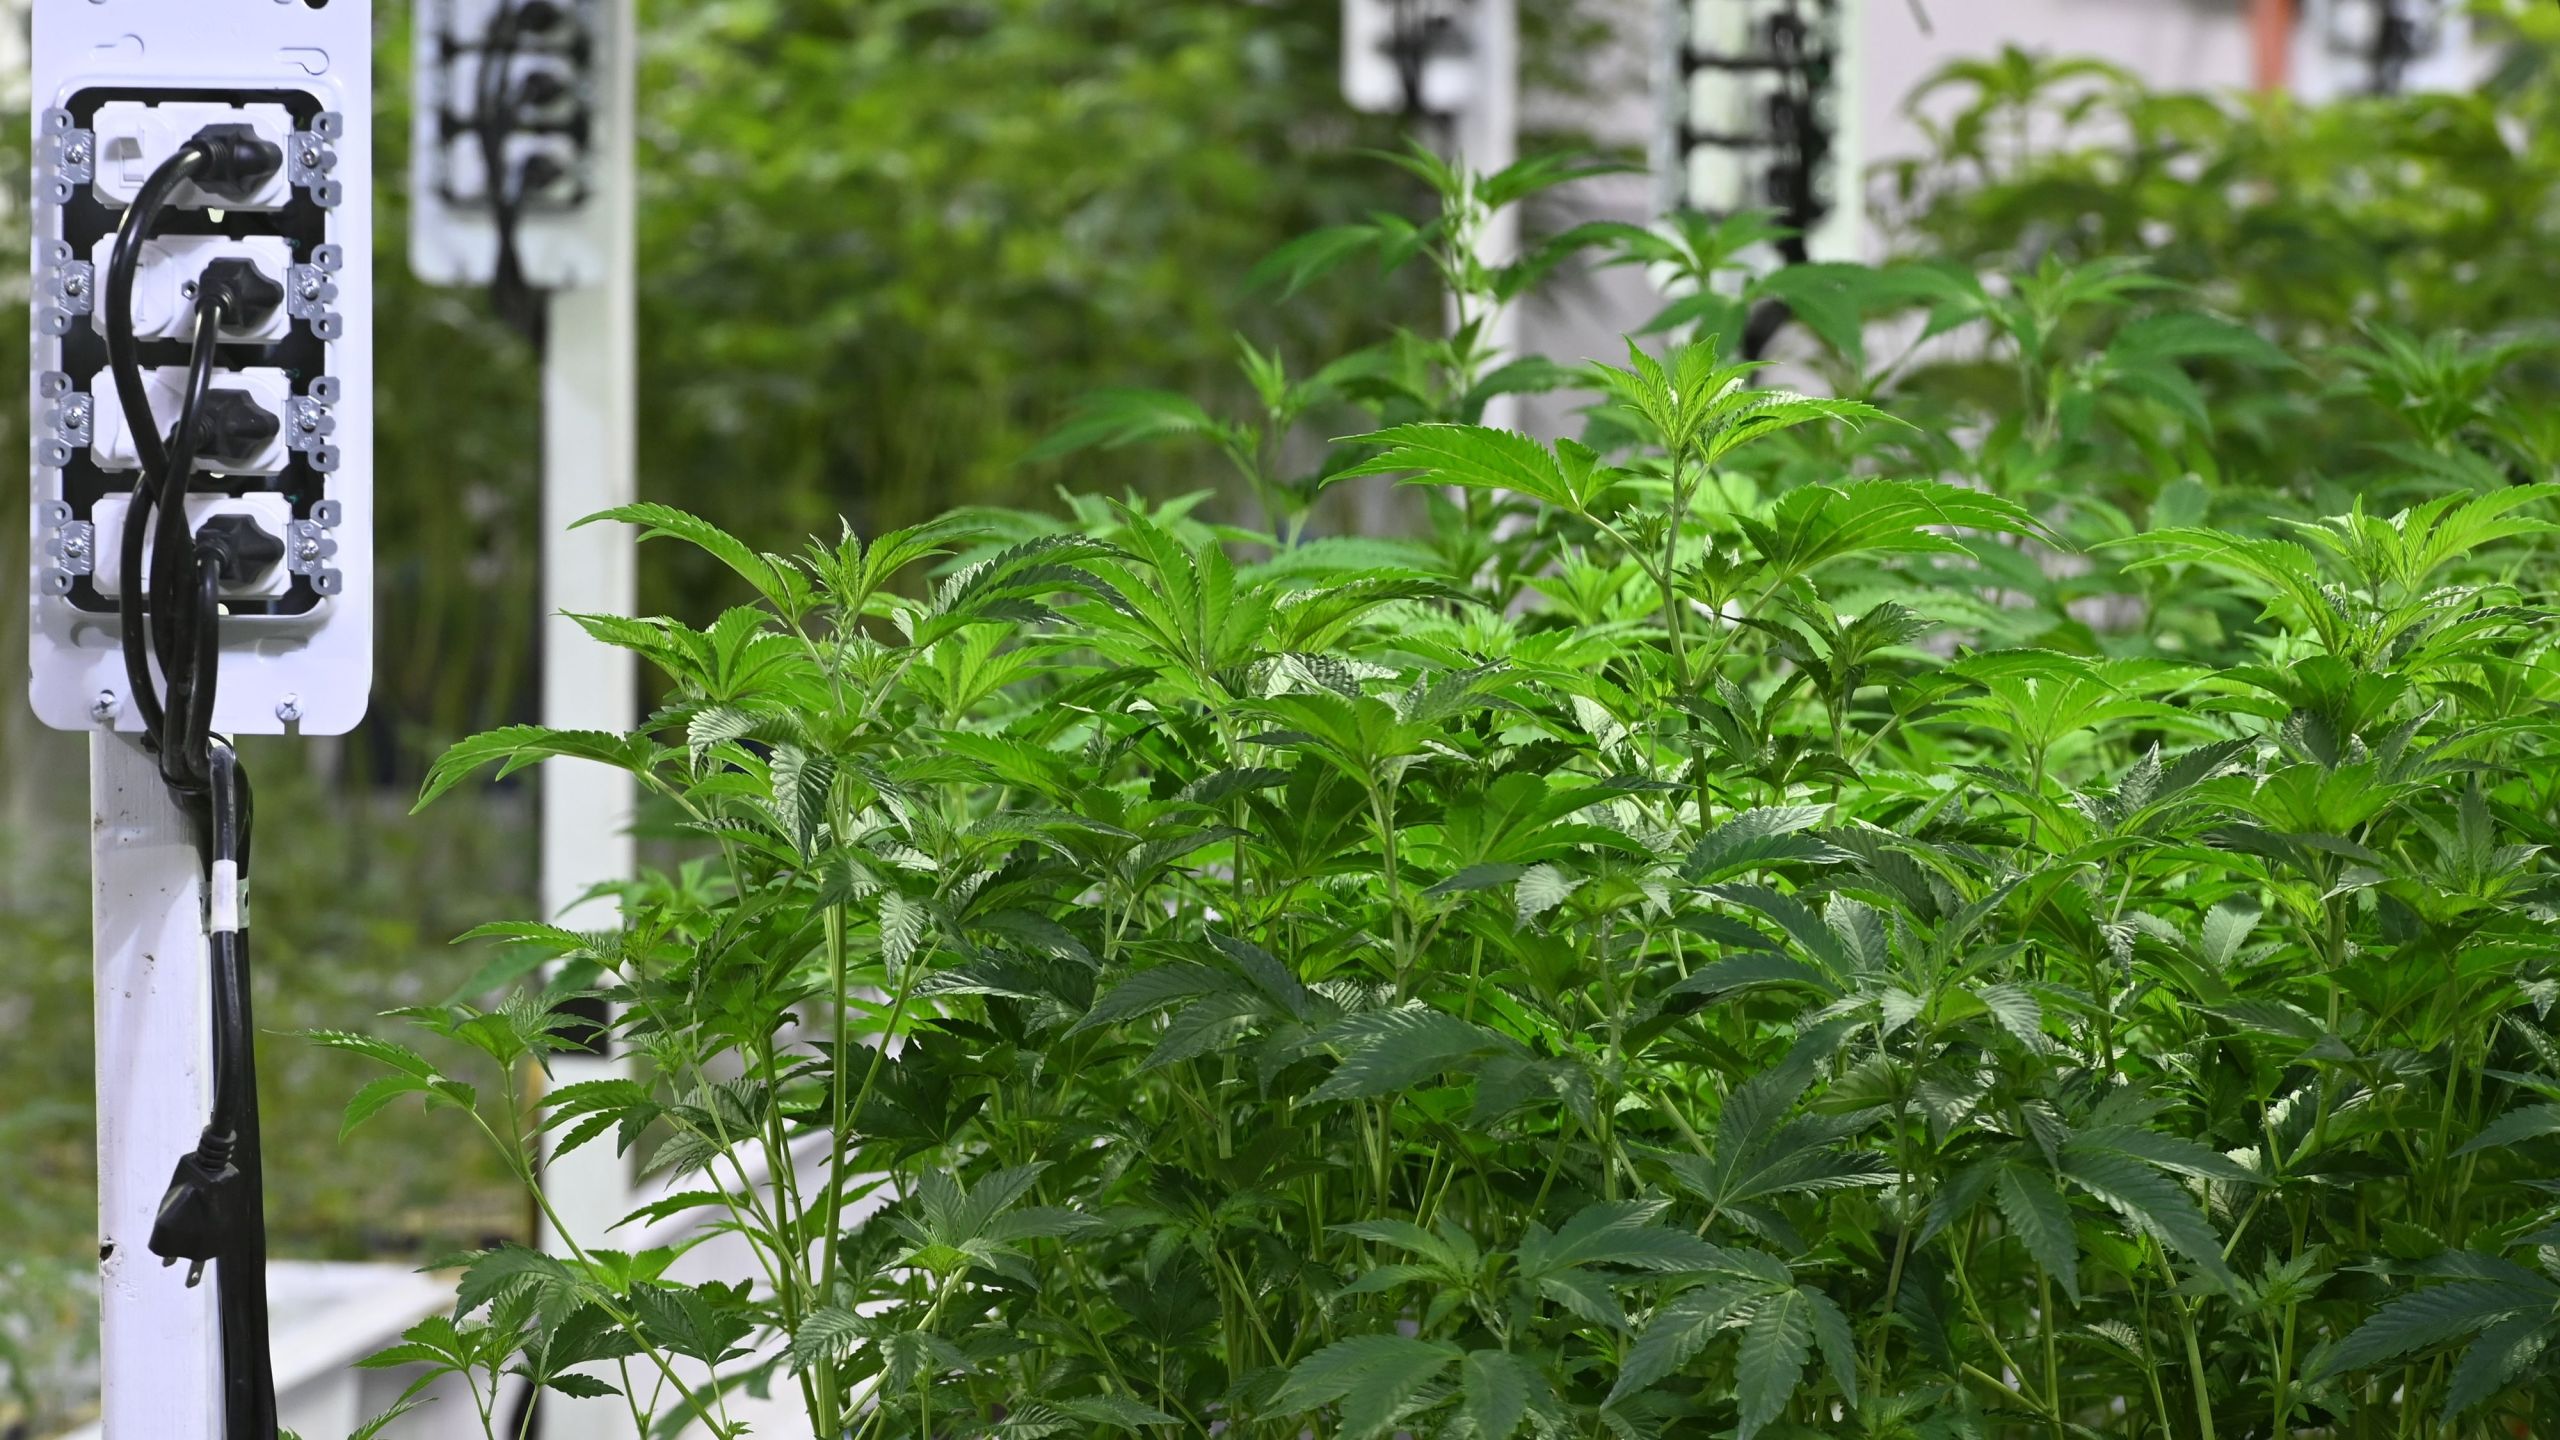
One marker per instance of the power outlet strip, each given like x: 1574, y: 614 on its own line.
x: 550, y: 102
x: 1759, y: 112
x: 118, y: 86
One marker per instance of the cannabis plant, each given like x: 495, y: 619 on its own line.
x: 1924, y: 911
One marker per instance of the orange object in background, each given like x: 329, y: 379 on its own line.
x: 2271, y: 37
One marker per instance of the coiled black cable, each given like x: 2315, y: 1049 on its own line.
x: 247, y: 1366
x: 215, y: 1210
x: 125, y: 366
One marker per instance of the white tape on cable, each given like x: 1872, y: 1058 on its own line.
x: 222, y: 897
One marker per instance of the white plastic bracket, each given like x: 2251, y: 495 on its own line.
x: 118, y: 85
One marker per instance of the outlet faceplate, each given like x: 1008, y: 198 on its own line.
x: 118, y: 85
x: 549, y: 96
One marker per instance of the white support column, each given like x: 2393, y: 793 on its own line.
x: 159, y: 1341
x: 1487, y: 135
x: 1488, y: 129
x: 590, y: 401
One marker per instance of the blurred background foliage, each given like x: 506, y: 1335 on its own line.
x: 2367, y: 222
x: 887, y: 242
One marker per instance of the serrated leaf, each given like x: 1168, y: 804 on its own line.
x: 902, y: 927
x: 1756, y: 838
x: 1542, y: 888
x: 1497, y: 1387
x: 2531, y: 1123
x: 2493, y: 1363
x: 1392, y: 1050
x: 1117, y: 1411
x: 1678, y: 1330
x: 2040, y: 1217
x: 2155, y: 1204
x: 2226, y: 929
x: 1777, y: 1339
x: 2427, y: 1318
x: 828, y: 1333
x: 1370, y: 1375
x: 2017, y: 1012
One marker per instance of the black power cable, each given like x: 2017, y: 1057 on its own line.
x: 2398, y: 31
x: 495, y: 105
x: 215, y: 1209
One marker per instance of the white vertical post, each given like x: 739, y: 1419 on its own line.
x: 1487, y: 138
x: 589, y: 463
x: 159, y: 1353
x: 1842, y: 235
x: 1487, y: 131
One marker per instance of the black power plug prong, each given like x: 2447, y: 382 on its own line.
x: 238, y: 162
x: 245, y: 295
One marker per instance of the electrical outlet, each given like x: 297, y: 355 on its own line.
x: 134, y: 137
x: 266, y: 407
x: 1721, y: 27
x: 545, y: 170
x: 1720, y: 180
x: 271, y: 514
x: 117, y: 87
x: 1733, y: 105
x: 165, y: 283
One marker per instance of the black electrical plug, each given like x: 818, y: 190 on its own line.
x: 232, y: 428
x: 238, y: 162
x: 539, y: 174
x: 539, y: 17
x: 244, y: 294
x: 200, y: 1212
x: 243, y: 550
x: 540, y: 90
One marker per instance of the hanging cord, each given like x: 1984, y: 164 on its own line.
x: 215, y: 1210
x: 517, y: 300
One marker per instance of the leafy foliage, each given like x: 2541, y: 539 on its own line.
x: 1784, y: 915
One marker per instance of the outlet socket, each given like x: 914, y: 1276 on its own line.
x: 273, y: 513
x: 134, y: 138
x: 112, y: 447
x: 164, y: 302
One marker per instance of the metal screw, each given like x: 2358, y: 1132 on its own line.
x: 309, y: 549
x: 76, y: 153
x: 188, y: 290
x: 312, y: 289
x: 75, y: 411
x: 75, y: 546
x: 312, y: 155
x: 289, y: 709
x: 105, y: 706
x: 308, y: 423
x: 75, y: 284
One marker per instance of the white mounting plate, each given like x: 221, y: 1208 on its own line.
x: 453, y: 239
x: 309, y: 673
